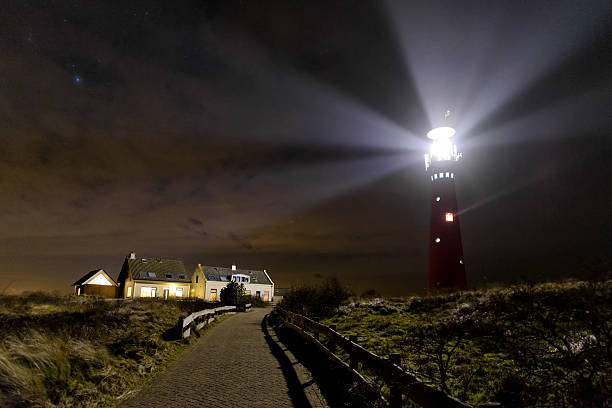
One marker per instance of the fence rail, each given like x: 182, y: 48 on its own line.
x: 199, y: 319
x: 389, y: 370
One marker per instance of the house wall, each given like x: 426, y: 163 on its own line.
x: 197, y: 288
x: 159, y: 289
x: 98, y: 290
x: 124, y: 280
x: 252, y: 287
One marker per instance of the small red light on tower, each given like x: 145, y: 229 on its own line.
x: 449, y: 217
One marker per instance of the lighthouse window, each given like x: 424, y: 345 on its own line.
x: 438, y: 198
x: 447, y: 174
x: 437, y: 239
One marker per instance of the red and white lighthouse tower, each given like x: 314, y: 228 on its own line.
x: 446, y: 266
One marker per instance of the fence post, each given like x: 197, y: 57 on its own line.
x: 332, y: 344
x: 354, y: 363
x: 180, y: 328
x: 395, y: 398
x: 316, y: 333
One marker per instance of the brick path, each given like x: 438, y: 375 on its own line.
x: 230, y: 366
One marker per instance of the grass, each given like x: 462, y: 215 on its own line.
x: 545, y: 345
x: 59, y: 351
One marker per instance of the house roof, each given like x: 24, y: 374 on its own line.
x: 158, y: 269
x: 89, y: 275
x: 218, y: 273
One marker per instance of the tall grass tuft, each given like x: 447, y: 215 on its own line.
x: 59, y: 351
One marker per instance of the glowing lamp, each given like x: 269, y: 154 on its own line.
x: 444, y: 132
x: 449, y: 217
x: 442, y: 148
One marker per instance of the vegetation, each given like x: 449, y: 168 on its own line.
x: 316, y: 301
x: 83, y: 352
x: 544, y: 345
x: 232, y: 293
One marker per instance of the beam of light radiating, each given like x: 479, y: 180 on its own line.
x: 542, y: 175
x: 303, y: 109
x: 324, y: 182
x: 290, y: 190
x: 473, y: 60
x: 554, y: 122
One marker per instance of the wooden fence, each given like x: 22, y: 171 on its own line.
x: 199, y: 319
x: 389, y: 370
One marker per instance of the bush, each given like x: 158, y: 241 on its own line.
x: 255, y: 301
x: 370, y: 294
x: 320, y: 300
x: 232, y: 293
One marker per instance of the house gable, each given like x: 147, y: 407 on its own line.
x: 96, y: 277
x: 100, y: 278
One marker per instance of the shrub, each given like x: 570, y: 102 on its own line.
x: 255, y: 301
x: 320, y: 300
x: 370, y: 294
x: 232, y: 293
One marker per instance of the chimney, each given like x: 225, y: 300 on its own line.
x: 233, y: 267
x: 132, y: 255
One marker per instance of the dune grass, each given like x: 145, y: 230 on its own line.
x: 531, y: 345
x: 59, y: 351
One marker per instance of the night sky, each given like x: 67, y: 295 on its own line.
x: 289, y: 135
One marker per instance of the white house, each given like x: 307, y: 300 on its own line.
x: 207, y: 282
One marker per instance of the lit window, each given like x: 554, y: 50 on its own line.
x: 449, y: 217
x: 452, y: 175
x: 461, y: 261
x: 431, y: 178
x: 146, y: 292
x: 213, y: 294
x: 441, y: 175
x: 437, y: 240
x: 129, y: 292
x: 179, y: 292
x: 436, y: 176
x: 438, y: 198
x: 447, y: 174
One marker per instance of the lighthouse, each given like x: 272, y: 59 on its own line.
x: 446, y: 266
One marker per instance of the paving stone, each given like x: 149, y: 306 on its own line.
x: 230, y: 366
